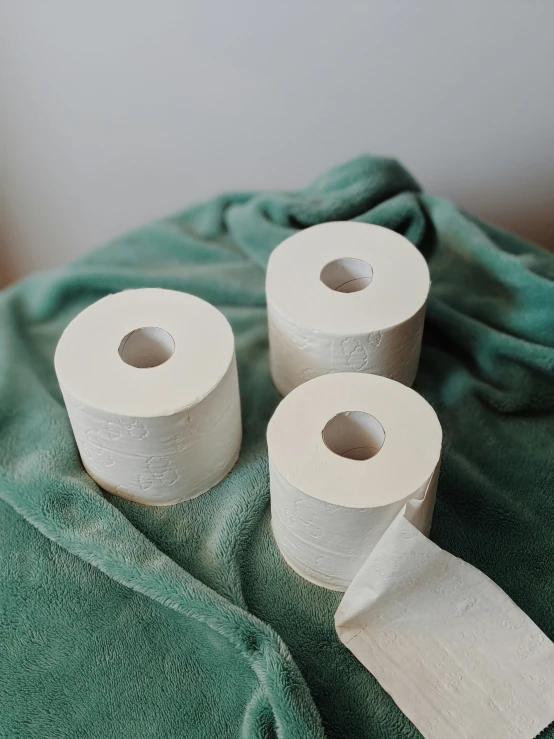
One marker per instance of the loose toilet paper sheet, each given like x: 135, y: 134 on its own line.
x: 457, y: 655
x: 460, y: 659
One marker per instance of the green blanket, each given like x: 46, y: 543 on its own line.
x: 118, y: 620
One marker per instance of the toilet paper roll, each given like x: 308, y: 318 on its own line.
x: 149, y: 380
x: 346, y: 453
x: 345, y: 297
x: 354, y: 462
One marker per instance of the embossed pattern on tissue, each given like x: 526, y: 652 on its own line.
x: 161, y: 459
x: 325, y: 542
x: 299, y: 354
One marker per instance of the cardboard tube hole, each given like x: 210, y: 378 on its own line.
x: 347, y: 275
x: 146, y: 347
x: 354, y: 435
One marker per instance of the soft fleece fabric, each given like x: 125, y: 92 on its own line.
x: 118, y: 620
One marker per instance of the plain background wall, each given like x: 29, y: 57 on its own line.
x: 116, y: 112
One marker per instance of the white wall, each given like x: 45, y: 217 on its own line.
x: 115, y: 112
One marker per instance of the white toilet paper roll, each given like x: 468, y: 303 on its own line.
x: 346, y: 452
x: 345, y: 297
x: 354, y: 463
x: 149, y: 380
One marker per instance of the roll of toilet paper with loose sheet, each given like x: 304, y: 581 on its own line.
x: 354, y: 462
x: 149, y: 380
x: 345, y: 297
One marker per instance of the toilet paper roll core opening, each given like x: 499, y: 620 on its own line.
x: 347, y: 275
x: 146, y: 347
x: 354, y: 435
